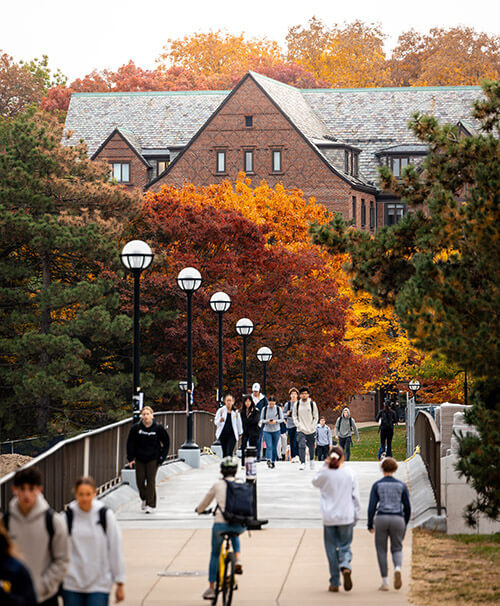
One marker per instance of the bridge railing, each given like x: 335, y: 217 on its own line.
x: 102, y: 454
x: 428, y: 438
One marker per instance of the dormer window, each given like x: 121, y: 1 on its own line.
x: 397, y: 164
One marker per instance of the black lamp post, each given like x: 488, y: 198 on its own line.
x: 136, y: 256
x: 189, y: 280
x: 220, y: 302
x: 244, y: 328
x: 264, y: 355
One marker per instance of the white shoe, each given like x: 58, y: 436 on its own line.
x: 302, y: 466
x: 295, y: 460
x: 311, y: 464
x: 148, y: 509
x: 143, y: 505
x: 384, y: 587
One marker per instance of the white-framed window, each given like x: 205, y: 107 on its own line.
x: 120, y: 171
x: 397, y: 165
x: 221, y: 161
x: 276, y: 160
x: 248, y: 161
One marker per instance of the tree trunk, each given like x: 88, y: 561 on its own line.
x: 43, y: 403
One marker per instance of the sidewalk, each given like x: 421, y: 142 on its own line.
x: 282, y: 567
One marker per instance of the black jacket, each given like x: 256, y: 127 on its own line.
x: 250, y: 422
x: 388, y: 419
x: 146, y: 444
x: 16, y: 587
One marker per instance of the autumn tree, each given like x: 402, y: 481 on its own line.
x: 445, y: 57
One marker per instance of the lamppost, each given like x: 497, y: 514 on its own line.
x: 136, y: 256
x: 189, y: 280
x: 264, y: 355
x: 220, y: 302
x: 244, y: 328
x: 414, y: 386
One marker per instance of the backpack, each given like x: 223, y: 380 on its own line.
x: 312, y: 408
x: 49, y: 525
x: 279, y: 413
x: 102, y: 519
x: 239, y: 503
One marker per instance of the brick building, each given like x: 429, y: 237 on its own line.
x: 326, y: 142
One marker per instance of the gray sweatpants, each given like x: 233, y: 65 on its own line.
x: 394, y: 527
x: 303, y: 440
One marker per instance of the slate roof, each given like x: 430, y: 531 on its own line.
x: 371, y: 119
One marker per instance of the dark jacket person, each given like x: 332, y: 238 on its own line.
x: 250, y: 417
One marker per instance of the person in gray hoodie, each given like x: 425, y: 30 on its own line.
x: 40, y: 535
x: 344, y: 428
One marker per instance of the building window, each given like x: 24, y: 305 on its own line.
x: 161, y: 166
x: 356, y: 165
x: 394, y: 213
x: 120, y: 171
x: 248, y: 121
x: 363, y: 213
x: 372, y: 214
x: 221, y: 161
x: 248, y: 161
x: 354, y: 210
x: 397, y: 165
x: 346, y: 162
x: 276, y: 161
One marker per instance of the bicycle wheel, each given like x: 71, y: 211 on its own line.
x: 218, y: 586
x: 228, y: 581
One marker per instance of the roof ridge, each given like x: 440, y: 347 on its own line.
x: 389, y: 88
x: 156, y: 93
x: 252, y: 73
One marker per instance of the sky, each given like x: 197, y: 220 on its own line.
x: 97, y: 34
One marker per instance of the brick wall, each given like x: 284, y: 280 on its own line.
x: 302, y: 168
x: 118, y: 150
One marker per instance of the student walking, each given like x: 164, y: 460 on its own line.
x: 340, y: 510
x: 250, y: 418
x: 40, y: 535
x: 387, y: 418
x: 283, y: 440
x: 260, y: 401
x: 306, y: 417
x: 229, y: 426
x: 323, y: 439
x: 290, y: 425
x: 271, y: 418
x: 16, y: 586
x: 96, y: 562
x: 344, y: 428
x: 389, y: 512
x: 147, y: 448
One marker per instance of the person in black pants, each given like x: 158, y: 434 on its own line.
x: 229, y: 427
x: 250, y: 421
x: 387, y: 418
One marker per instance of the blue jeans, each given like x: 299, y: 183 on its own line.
x: 218, y: 530
x: 271, y: 438
x: 338, y: 541
x: 292, y: 437
x: 345, y: 444
x: 76, y: 598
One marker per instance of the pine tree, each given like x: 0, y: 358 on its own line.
x: 440, y: 267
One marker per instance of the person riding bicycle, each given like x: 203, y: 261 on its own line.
x: 228, y: 467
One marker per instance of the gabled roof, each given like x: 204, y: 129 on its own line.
x: 129, y: 139
x: 409, y: 149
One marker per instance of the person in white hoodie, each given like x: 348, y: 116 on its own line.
x: 96, y: 562
x: 39, y: 534
x: 340, y: 510
x: 229, y: 427
x: 305, y: 416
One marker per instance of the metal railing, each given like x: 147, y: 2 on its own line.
x: 102, y: 454
x: 428, y: 438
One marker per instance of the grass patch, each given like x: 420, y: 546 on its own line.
x: 455, y: 569
x: 369, y: 443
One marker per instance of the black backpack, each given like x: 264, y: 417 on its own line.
x: 280, y: 414
x: 312, y: 408
x: 102, y: 519
x: 239, y: 503
x: 49, y: 525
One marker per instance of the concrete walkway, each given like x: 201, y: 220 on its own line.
x: 284, y: 563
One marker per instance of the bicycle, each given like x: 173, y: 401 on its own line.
x: 225, y: 582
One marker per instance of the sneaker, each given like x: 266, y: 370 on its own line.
x: 398, y: 581
x: 384, y: 587
x: 333, y: 588
x: 148, y: 509
x: 143, y: 505
x: 346, y: 573
x: 311, y: 464
x: 296, y: 460
x: 270, y: 464
x: 302, y: 466
x: 209, y: 594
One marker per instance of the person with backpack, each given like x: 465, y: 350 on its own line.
x: 250, y: 418
x: 229, y: 426
x: 389, y: 512
x: 225, y: 519
x: 39, y: 533
x: 305, y: 416
x: 96, y: 562
x: 260, y: 401
x: 386, y: 418
x: 340, y: 510
x: 271, y: 418
x: 16, y: 586
x: 323, y: 439
x: 344, y: 428
x: 293, y: 394
x: 147, y: 448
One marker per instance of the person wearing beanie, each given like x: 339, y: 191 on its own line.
x: 344, y: 428
x: 306, y: 417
